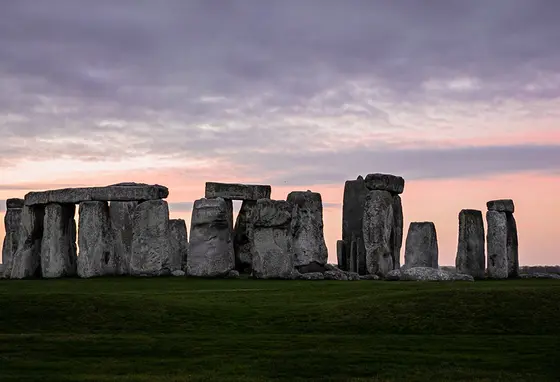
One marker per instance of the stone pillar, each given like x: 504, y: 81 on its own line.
x: 122, y: 219
x: 421, y: 245
x: 12, y: 221
x: 470, y: 248
x: 497, y: 244
x: 151, y: 247
x: 378, y: 232
x: 243, y: 246
x: 58, y: 248
x: 355, y: 192
x: 398, y: 227
x: 307, y: 229
x: 507, y: 207
x: 340, y: 253
x: 95, y: 241
x: 273, y: 256
x: 211, y: 245
x: 180, y: 244
x: 26, y: 261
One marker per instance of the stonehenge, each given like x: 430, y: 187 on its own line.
x: 502, y: 240
x: 421, y: 248
x: 470, y: 248
x: 12, y: 220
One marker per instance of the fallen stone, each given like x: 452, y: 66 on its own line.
x: 339, y: 276
x: 120, y: 192
x: 352, y: 276
x: 273, y: 255
x: 378, y: 230
x: 501, y: 205
x: 425, y: 274
x: 312, y: 267
x: 470, y: 258
x: 178, y: 273
x: 14, y: 203
x: 355, y: 192
x: 512, y: 246
x: 58, y: 247
x: 385, y: 182
x: 242, y: 242
x: 211, y: 243
x: 497, y: 245
x: 26, y: 261
x: 122, y: 216
x: 540, y: 269
x: 312, y: 276
x: 421, y: 245
x: 179, y: 244
x: 398, y: 227
x: 95, y: 242
x: 12, y: 221
x: 307, y: 229
x: 369, y: 277
x: 237, y: 191
x: 233, y: 274
x: 539, y: 275
x: 151, y: 244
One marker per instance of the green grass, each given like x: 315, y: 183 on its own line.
x: 175, y: 329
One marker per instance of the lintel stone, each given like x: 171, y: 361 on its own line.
x: 237, y: 191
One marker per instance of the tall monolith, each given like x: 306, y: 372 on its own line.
x: 421, y: 248
x: 470, y: 258
x: 58, y: 247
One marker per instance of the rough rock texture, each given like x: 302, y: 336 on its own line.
x: 340, y: 255
x: 378, y: 232
x: 353, y: 263
x: 425, y: 274
x: 539, y: 275
x: 352, y: 276
x: 497, y: 244
x: 58, y: 248
x: 95, y: 242
x: 233, y: 274
x: 355, y: 192
x: 242, y: 243
x: 178, y: 273
x: 385, y: 182
x: 308, y: 239
x: 312, y: 276
x: 398, y: 228
x: 26, y: 261
x: 470, y: 248
x: 512, y: 246
x: 179, y: 244
x: 118, y: 192
x: 12, y: 221
x: 332, y: 275
x: 501, y: 205
x: 151, y: 244
x: 312, y: 267
x: 421, y: 245
x: 14, y: 203
x: 369, y: 277
x: 122, y: 216
x: 237, y: 191
x: 540, y: 269
x: 211, y: 243
x: 273, y: 255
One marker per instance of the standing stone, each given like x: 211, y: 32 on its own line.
x: 58, y: 248
x: 273, y: 256
x: 243, y: 245
x: 122, y: 216
x: 355, y: 192
x: 12, y: 221
x: 497, y: 244
x: 378, y: 224
x: 96, y: 257
x: 470, y: 249
x: 512, y: 246
x: 308, y: 238
x: 26, y: 261
x: 151, y: 247
x: 398, y: 226
x: 211, y: 245
x: 340, y: 252
x: 180, y: 244
x: 354, y: 261
x: 421, y: 245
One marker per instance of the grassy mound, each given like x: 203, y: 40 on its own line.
x: 175, y: 329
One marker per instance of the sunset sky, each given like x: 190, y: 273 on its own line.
x: 461, y: 98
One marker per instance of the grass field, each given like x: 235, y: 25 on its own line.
x: 175, y: 329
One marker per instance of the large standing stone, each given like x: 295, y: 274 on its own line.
x: 211, y: 245
x: 12, y: 222
x: 470, y: 248
x: 122, y: 216
x: 273, y: 255
x: 95, y: 241
x: 58, y: 248
x: 497, y: 244
x: 340, y: 252
x: 355, y: 192
x: 243, y: 245
x: 385, y: 182
x: 512, y: 246
x: 180, y: 244
x: 151, y: 247
x: 421, y: 245
x: 237, y: 191
x: 378, y: 223
x: 309, y: 241
x: 26, y: 261
x: 398, y: 227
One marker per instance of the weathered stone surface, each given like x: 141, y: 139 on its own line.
x: 308, y: 238
x: 312, y: 276
x: 12, y: 221
x: 273, y: 255
x: 58, y: 248
x: 512, y: 246
x: 355, y: 192
x: 119, y: 192
x: 540, y: 269
x: 312, y: 267
x: 95, y: 242
x: 242, y: 243
x: 497, y: 244
x: 352, y: 276
x: 26, y: 261
x: 421, y: 245
x: 211, y: 244
x: 340, y: 255
x: 14, y: 203
x: 179, y: 244
x: 2, y: 269
x: 233, y: 274
x: 369, y: 277
x: 151, y: 244
x: 470, y: 248
x: 178, y: 273
x: 122, y: 216
x: 237, y: 191
x: 501, y: 205
x: 332, y: 275
x: 385, y: 182
x: 425, y: 274
x: 539, y: 275
x: 378, y: 232
x: 353, y: 256
x: 398, y: 228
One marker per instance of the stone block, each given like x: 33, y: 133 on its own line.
x: 385, y: 182
x: 58, y: 248
x: 237, y: 191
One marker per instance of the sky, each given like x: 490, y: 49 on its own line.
x: 461, y: 98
